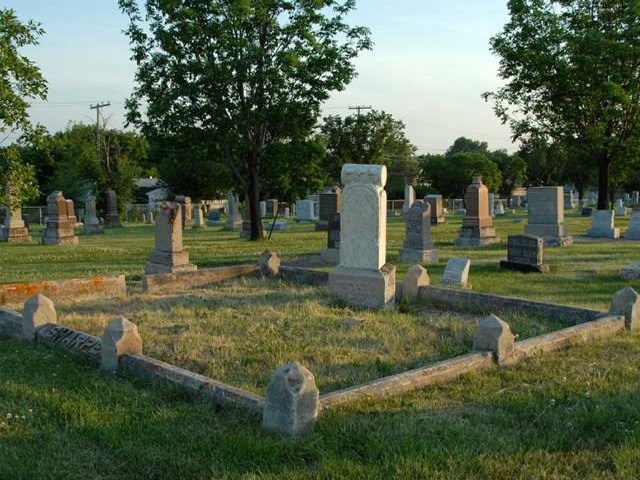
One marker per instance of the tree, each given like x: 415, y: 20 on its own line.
x: 512, y: 170
x: 244, y: 74
x: 572, y: 76
x: 17, y: 179
x: 20, y: 79
x: 463, y: 144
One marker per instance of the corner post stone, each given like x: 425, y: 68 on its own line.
x: 120, y: 338
x: 416, y: 277
x: 291, y: 401
x: 38, y: 311
x: 269, y: 263
x: 627, y: 302
x: 495, y: 335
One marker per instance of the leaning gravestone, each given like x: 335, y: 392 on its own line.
x: 234, y: 220
x: 168, y: 256
x: 456, y: 273
x: 330, y: 203
x: 58, y: 229
x: 525, y: 254
x: 477, y: 226
x: 602, y: 225
x: 437, y: 211
x: 546, y: 216
x: 112, y: 218
x: 363, y: 279
x: 418, y: 246
x: 91, y: 223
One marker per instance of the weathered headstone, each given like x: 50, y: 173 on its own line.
x: 13, y: 228
x: 602, y: 225
x: 569, y: 203
x: 456, y: 273
x: 627, y: 302
x: 477, y: 226
x: 269, y: 263
x: 291, y: 401
x: 437, y: 211
x: 332, y: 253
x: 91, y: 223
x: 495, y: 335
x: 620, y: 209
x: 409, y: 198
x: 418, y: 246
x: 306, y: 211
x: 71, y: 212
x: 416, y: 277
x: 234, y: 220
x: 633, y: 232
x: 58, y: 229
x: 197, y: 216
x: 168, y: 256
x: 500, y: 207
x: 330, y: 203
x: 546, y: 216
x: 363, y: 278
x: 525, y: 254
x: 112, y: 217
x: 187, y: 210
x: 120, y: 337
x: 38, y: 310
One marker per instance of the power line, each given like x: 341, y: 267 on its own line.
x: 360, y: 107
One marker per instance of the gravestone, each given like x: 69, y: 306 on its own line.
x: 635, y: 198
x: 569, y: 203
x: 417, y: 246
x: 362, y: 278
x: 456, y: 273
x: 13, y: 228
x: 332, y: 253
x: 234, y: 220
x: 525, y: 254
x: 120, y: 338
x: 437, y: 211
x: 91, y: 223
x: 197, y: 216
x: 187, y: 210
x: 546, y: 216
x: 263, y: 209
x: 306, y: 211
x: 112, y: 218
x: 71, y: 212
x: 500, y: 207
x: 633, y: 232
x: 416, y: 277
x: 409, y: 198
x: 492, y: 205
x: 620, y: 210
x: 329, y: 203
x: 477, y: 226
x: 494, y: 334
x: 602, y: 225
x: 168, y: 256
x: 58, y: 229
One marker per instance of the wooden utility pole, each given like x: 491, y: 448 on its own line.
x: 360, y: 107
x: 97, y: 108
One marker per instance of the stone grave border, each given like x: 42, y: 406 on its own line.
x: 104, y: 287
x: 283, y: 409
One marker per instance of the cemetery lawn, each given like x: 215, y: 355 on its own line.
x: 570, y: 414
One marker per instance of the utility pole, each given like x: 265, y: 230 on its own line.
x: 97, y: 108
x: 360, y: 107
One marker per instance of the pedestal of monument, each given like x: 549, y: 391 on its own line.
x: 363, y: 288
x: 168, y: 256
x: 58, y: 229
x: 477, y: 226
x: 546, y: 216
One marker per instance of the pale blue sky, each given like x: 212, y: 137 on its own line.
x: 429, y: 65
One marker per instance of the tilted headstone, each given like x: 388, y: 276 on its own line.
x: 168, y: 256
x: 416, y: 277
x: 234, y: 220
x: 633, y: 231
x: 495, y: 335
x: 546, y: 216
x: 525, y: 254
x: 409, y: 198
x: 602, y: 225
x: 198, y: 216
x: 291, y: 401
x: 91, y: 223
x: 437, y: 210
x: 627, y: 302
x: 329, y: 203
x: 417, y: 246
x: 58, y: 229
x: 38, y: 311
x: 120, y: 337
x: 269, y: 263
x: 456, y: 273
x: 112, y: 217
x: 477, y: 226
x: 362, y: 278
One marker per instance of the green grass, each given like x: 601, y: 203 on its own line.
x: 571, y: 414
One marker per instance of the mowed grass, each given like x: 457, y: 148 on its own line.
x: 572, y: 414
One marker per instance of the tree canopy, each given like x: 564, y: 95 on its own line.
x: 242, y: 75
x: 572, y: 76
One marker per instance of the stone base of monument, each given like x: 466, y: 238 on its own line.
x: 112, y: 220
x: 602, y: 225
x: 476, y: 237
x: 11, y: 235
x: 233, y: 225
x: 523, y: 267
x: 50, y: 239
x: 362, y: 287
x: 419, y: 256
x: 331, y: 255
x: 168, y: 262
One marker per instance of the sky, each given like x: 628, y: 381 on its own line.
x: 429, y: 65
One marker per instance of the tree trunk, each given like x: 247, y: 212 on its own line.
x: 253, y: 199
x: 604, y: 161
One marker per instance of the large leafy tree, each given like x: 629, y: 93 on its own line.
x: 244, y: 73
x: 572, y: 71
x: 376, y: 138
